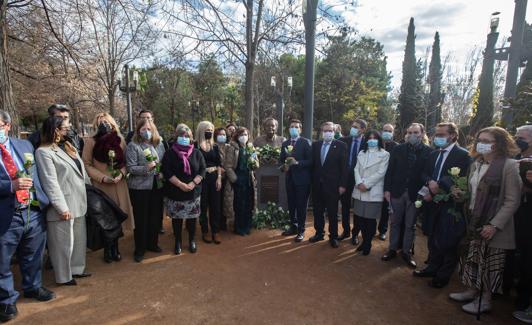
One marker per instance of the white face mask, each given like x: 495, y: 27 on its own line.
x: 3, y: 136
x: 484, y: 148
x: 243, y: 139
x: 328, y: 136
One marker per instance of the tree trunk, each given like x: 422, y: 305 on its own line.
x: 250, y: 97
x: 111, y: 98
x: 6, y: 93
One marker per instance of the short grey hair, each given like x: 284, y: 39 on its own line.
x: 4, y: 116
x: 527, y: 128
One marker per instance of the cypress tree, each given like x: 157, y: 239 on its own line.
x: 435, y: 75
x: 408, y: 100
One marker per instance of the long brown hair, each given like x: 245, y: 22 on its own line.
x: 504, y: 145
x: 155, y: 137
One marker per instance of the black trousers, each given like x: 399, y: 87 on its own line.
x: 211, y: 201
x: 297, y: 204
x: 367, y: 227
x: 385, y: 218
x: 148, y: 211
x: 325, y: 201
x: 243, y: 205
x: 346, y: 200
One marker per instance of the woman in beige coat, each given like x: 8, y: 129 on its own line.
x: 495, y: 189
x: 104, y: 158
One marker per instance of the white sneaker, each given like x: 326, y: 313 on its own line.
x: 524, y: 316
x: 472, y: 307
x: 465, y: 296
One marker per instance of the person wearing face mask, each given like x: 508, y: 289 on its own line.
x: 401, y: 184
x: 329, y: 181
x: 495, y: 192
x: 228, y: 214
x: 369, y: 183
x: 446, y: 229
x: 389, y: 145
x: 354, y: 145
x: 523, y: 227
x: 211, y: 188
x: 297, y: 164
x: 337, y: 131
x: 145, y: 187
x: 183, y: 168
x: 107, y: 171
x: 239, y: 166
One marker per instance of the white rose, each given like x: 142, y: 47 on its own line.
x: 455, y: 171
x: 147, y: 152
x: 418, y: 204
x: 28, y: 157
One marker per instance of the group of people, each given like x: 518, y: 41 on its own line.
x: 468, y: 199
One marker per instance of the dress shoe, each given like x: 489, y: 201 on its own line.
x: 299, y: 238
x: 365, y: 252
x: 155, y: 249
x: 41, y: 294
x: 316, y: 238
x: 524, y: 315
x: 389, y: 255
x: 138, y: 258
x: 289, y: 232
x: 107, y: 257
x: 216, y: 239
x: 344, y: 235
x: 355, y: 241
x: 437, y: 283
x: 360, y: 248
x: 7, y: 312
x: 466, y: 296
x: 423, y: 273
x: 69, y: 283
x: 382, y: 237
x: 334, y: 243
x: 473, y: 308
x: 205, y: 239
x: 82, y: 275
x: 177, y: 247
x: 409, y: 260
x: 192, y: 247
x: 115, y: 253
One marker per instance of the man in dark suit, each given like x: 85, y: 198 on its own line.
x: 389, y: 145
x: 447, y: 229
x: 329, y: 181
x: 296, y: 161
x: 401, y: 185
x: 353, y: 143
x: 22, y: 224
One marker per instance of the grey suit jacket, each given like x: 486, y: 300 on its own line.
x: 62, y: 182
x: 139, y: 176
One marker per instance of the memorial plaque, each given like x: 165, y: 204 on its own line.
x: 270, y: 189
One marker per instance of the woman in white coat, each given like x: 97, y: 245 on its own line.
x: 370, y: 169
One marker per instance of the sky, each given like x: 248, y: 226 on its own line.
x: 462, y: 24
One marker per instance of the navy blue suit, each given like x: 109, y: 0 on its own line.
x: 346, y: 198
x: 17, y: 235
x: 298, y: 180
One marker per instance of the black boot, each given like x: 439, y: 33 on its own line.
x: 177, y: 225
x: 191, y: 227
x: 107, y: 256
x: 115, y: 253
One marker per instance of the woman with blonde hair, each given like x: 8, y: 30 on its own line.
x: 495, y: 193
x: 183, y: 168
x: 104, y: 158
x: 143, y: 156
x: 211, y: 195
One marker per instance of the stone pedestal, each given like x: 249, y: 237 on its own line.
x: 271, y: 186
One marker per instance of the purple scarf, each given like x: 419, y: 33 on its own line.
x: 184, y: 152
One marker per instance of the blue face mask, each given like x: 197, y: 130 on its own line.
x: 146, y: 135
x: 353, y: 132
x: 184, y: 141
x: 221, y: 139
x: 440, y: 142
x: 387, y: 136
x: 294, y: 132
x: 373, y: 143
x: 3, y: 136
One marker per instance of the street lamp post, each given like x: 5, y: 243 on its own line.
x: 127, y: 88
x: 279, y: 94
x: 310, y: 8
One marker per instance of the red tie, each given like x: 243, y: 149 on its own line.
x: 23, y: 196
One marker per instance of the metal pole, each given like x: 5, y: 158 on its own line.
x: 309, y: 19
x: 128, y: 99
x: 280, y: 111
x: 514, y: 59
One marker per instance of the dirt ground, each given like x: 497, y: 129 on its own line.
x: 259, y: 279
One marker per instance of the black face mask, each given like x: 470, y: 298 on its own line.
x: 522, y: 144
x: 104, y: 128
x: 208, y: 135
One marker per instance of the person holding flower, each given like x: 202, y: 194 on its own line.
x: 495, y: 194
x: 104, y: 158
x: 240, y: 162
x: 296, y: 161
x: 183, y: 169
x: 228, y: 214
x: 63, y: 178
x: 143, y: 156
